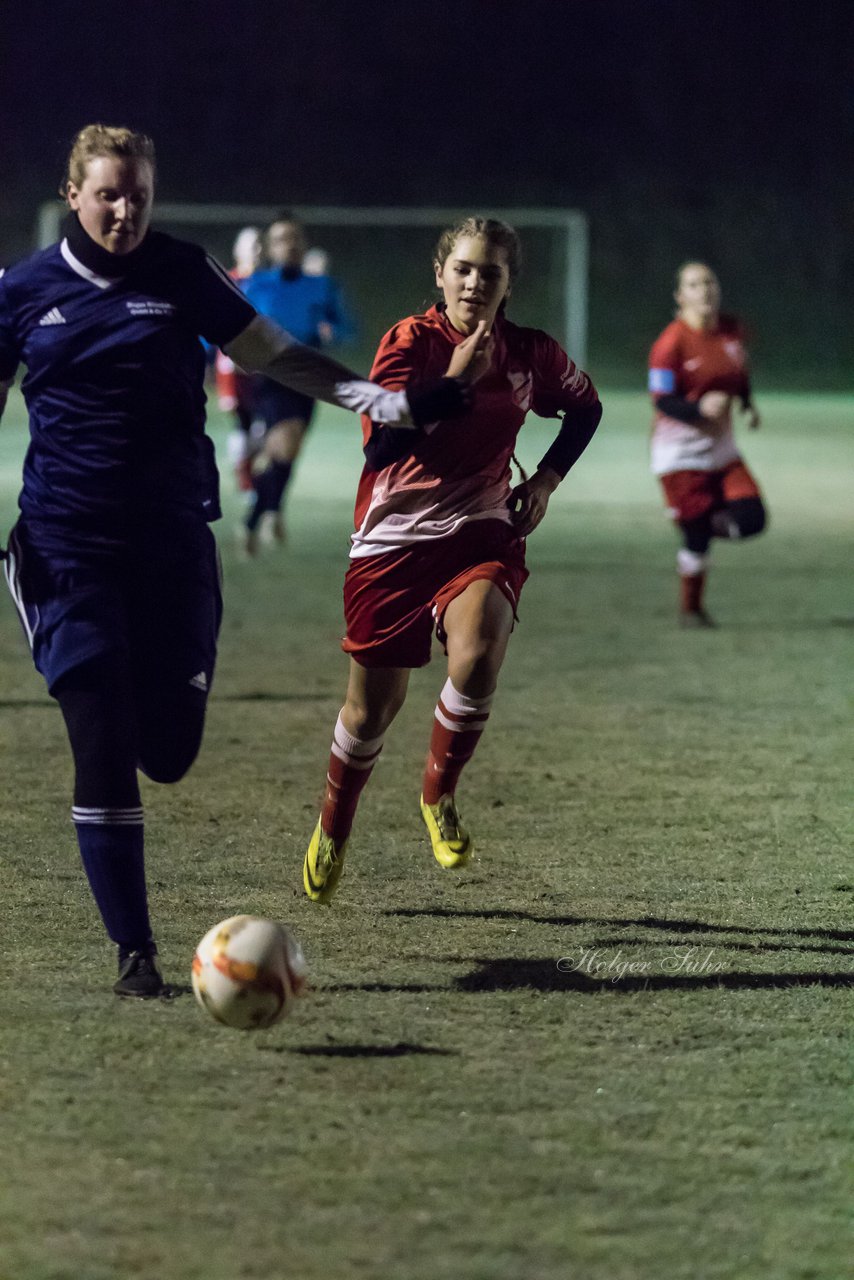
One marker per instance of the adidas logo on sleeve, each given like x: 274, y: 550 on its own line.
x: 54, y: 316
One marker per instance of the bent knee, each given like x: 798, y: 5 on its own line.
x: 282, y: 442
x: 168, y: 766
x: 749, y: 516
x: 169, y: 741
x: 697, y: 534
x: 474, y: 664
x: 366, y: 722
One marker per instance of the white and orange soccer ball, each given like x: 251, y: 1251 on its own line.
x: 247, y: 972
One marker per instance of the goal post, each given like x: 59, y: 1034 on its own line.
x: 567, y: 231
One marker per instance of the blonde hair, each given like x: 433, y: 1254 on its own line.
x: 105, y: 140
x: 500, y: 234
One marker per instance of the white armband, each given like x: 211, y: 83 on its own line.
x: 388, y: 407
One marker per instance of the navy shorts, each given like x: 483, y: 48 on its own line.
x: 155, y: 597
x: 272, y: 403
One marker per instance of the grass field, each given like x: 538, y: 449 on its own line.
x: 617, y: 1047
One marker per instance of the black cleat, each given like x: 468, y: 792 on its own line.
x: 139, y: 976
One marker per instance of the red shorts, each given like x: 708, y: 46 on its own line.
x: 393, y: 601
x: 692, y: 494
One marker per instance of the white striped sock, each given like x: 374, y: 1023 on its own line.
x: 354, y: 750
x: 457, y: 712
x: 83, y: 815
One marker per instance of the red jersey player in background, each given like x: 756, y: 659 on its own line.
x: 697, y: 367
x: 440, y: 535
x: 233, y: 386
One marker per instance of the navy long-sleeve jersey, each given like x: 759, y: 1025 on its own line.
x: 114, y: 382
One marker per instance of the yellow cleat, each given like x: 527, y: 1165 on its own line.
x: 452, y: 844
x: 323, y: 866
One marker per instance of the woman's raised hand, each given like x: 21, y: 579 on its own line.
x: 473, y: 356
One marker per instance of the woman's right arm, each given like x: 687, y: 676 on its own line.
x: 222, y: 314
x: 264, y: 347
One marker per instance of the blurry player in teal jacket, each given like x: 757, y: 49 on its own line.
x: 311, y: 308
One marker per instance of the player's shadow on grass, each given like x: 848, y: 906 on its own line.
x: 752, y: 948
x: 545, y: 975
x: 645, y: 922
x: 508, y: 973
x: 403, y: 1049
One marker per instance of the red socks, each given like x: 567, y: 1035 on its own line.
x: 351, y: 762
x: 458, y: 723
x: 692, y: 579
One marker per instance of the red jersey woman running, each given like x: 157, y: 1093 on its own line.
x: 697, y: 366
x: 439, y: 537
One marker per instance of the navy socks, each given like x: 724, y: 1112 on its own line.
x: 111, y: 847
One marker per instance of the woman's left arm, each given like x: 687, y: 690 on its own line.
x: 560, y: 387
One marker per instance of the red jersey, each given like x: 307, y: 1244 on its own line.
x: 459, y: 470
x: 688, y: 362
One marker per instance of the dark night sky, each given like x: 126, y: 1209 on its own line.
x: 723, y: 127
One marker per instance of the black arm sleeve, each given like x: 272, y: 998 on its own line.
x: 576, y: 431
x: 435, y: 401
x: 428, y: 402
x: 679, y: 407
x: 389, y: 444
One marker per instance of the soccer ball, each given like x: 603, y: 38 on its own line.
x: 248, y: 972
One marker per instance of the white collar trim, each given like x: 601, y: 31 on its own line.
x: 101, y: 281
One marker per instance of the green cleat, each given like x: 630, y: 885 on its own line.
x: 452, y: 844
x: 323, y: 866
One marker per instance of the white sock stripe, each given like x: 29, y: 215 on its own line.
x: 83, y: 815
x: 481, y: 713
x: 459, y: 725
x: 691, y: 563
x: 354, y: 762
x: 359, y: 748
x: 459, y: 704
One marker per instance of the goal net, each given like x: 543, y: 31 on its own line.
x: 382, y: 258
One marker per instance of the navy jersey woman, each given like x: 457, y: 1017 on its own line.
x: 112, y: 564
